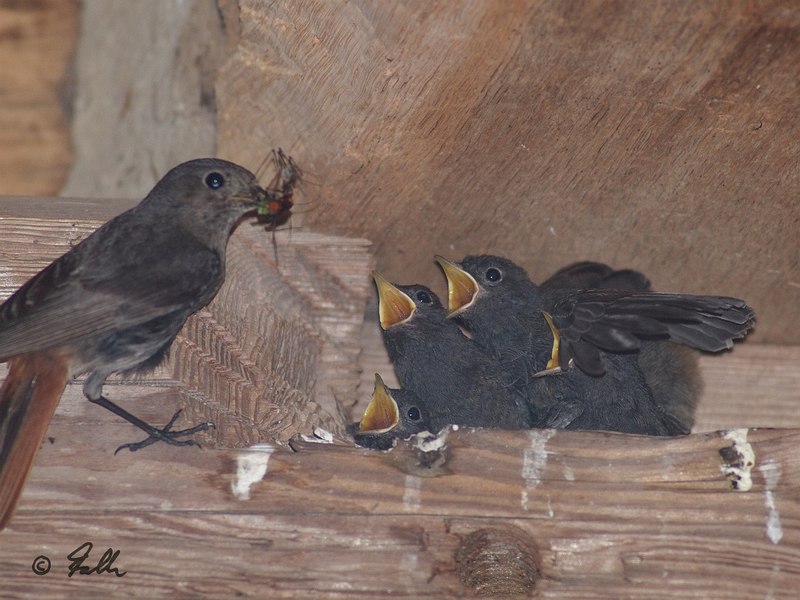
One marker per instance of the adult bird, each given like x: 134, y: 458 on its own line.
x: 114, y: 304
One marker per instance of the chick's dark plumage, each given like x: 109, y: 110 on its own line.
x: 537, y: 330
x: 458, y: 382
x: 670, y: 369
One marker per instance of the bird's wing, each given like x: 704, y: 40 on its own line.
x: 590, y: 275
x: 590, y: 321
x: 85, y: 293
x: 579, y: 275
x: 625, y: 279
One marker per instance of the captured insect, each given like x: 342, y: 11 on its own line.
x: 276, y: 208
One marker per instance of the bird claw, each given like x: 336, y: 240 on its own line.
x: 166, y: 435
x: 554, y: 371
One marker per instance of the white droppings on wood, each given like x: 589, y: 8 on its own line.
x: 739, y: 473
x: 251, y: 467
x: 534, y: 461
x: 771, y: 470
x: 320, y: 436
x: 429, y: 442
x: 410, y: 562
x: 411, y: 493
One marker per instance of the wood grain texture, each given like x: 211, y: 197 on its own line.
x: 660, y: 136
x: 37, y: 44
x: 275, y: 354
x: 603, y: 515
x: 610, y: 515
x: 36, y: 231
x: 144, y: 98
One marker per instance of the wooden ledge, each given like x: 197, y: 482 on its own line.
x: 565, y: 514
x: 601, y: 515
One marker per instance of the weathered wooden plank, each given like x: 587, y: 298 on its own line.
x: 398, y: 556
x: 660, y: 136
x: 756, y: 385
x: 609, y: 516
x: 313, y: 556
x: 37, y: 44
x: 276, y: 352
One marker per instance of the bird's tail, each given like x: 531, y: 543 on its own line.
x: 28, y: 399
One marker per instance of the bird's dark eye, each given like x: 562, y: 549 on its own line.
x: 493, y: 275
x: 424, y: 297
x: 215, y: 180
x: 414, y: 414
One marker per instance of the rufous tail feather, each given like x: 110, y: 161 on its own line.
x: 28, y: 399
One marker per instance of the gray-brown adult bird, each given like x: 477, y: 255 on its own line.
x: 114, y: 304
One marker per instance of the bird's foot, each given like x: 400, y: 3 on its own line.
x: 554, y: 371
x: 165, y: 434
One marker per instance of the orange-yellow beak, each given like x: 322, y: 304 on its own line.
x: 394, y: 306
x: 382, y: 413
x: 553, y: 365
x: 462, y: 289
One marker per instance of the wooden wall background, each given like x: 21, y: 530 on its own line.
x: 663, y: 136
x: 37, y: 45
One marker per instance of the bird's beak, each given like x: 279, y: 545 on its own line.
x: 462, y: 289
x: 255, y: 197
x: 554, y: 363
x: 394, y: 307
x: 382, y: 413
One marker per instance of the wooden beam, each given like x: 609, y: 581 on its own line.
x: 656, y: 136
x: 555, y: 514
x: 37, y: 47
x: 598, y: 515
x: 659, y: 136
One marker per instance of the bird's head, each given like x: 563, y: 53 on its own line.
x: 390, y: 415
x: 402, y: 304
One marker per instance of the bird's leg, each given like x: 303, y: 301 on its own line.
x: 552, y: 371
x: 165, y: 434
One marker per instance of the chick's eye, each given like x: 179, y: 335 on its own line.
x: 215, y: 180
x: 414, y: 414
x: 493, y: 275
x: 424, y: 297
